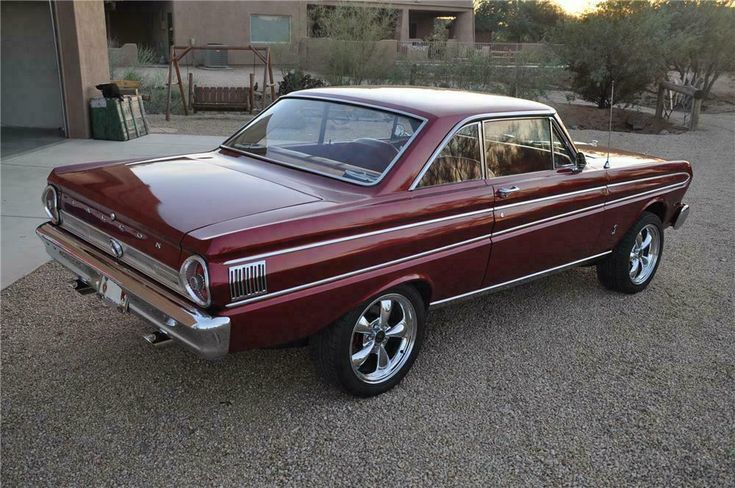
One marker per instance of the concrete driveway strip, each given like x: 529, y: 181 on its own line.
x: 24, y: 175
x: 555, y: 383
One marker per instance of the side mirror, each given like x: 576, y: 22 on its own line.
x: 580, y: 163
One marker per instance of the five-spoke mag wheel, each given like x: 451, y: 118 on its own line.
x: 383, y: 338
x: 633, y: 263
x: 369, y: 350
x: 644, y: 254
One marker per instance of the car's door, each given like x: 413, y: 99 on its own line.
x: 454, y: 183
x: 547, y: 213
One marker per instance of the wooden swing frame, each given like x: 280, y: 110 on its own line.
x: 262, y: 53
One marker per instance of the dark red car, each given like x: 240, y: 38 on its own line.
x: 343, y: 215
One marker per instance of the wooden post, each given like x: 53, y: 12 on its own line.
x: 181, y: 87
x: 694, y: 118
x: 270, y: 75
x: 251, y: 92
x: 168, y: 88
x: 190, y: 81
x: 660, y: 102
x: 265, y: 78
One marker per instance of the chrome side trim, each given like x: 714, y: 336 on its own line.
x: 147, y: 265
x: 517, y: 281
x: 450, y: 246
x: 548, y: 219
x: 450, y: 217
x: 638, y: 196
x: 387, y: 169
x: 359, y: 271
x: 552, y: 197
x: 475, y: 118
x: 657, y: 177
x: 358, y: 236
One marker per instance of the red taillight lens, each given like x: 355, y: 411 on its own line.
x: 195, y: 280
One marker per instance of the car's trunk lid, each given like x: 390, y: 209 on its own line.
x: 151, y: 205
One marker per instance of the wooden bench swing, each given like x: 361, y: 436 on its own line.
x: 220, y: 98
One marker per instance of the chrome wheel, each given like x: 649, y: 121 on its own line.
x: 645, y: 253
x: 383, y: 338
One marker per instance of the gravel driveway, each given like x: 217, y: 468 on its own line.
x: 558, y: 382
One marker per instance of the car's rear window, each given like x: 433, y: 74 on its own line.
x: 349, y: 142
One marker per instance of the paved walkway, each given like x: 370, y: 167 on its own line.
x: 23, y: 177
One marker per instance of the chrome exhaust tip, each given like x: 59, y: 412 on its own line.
x: 158, y: 338
x: 82, y: 287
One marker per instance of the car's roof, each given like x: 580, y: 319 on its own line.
x: 428, y: 102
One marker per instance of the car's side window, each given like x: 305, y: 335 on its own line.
x: 459, y: 160
x: 515, y: 146
x: 562, y: 154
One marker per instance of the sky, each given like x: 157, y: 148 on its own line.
x: 576, y: 7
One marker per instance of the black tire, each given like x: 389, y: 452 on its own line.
x: 333, y: 347
x: 614, y: 271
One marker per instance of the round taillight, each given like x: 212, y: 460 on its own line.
x: 195, y: 280
x: 50, y: 201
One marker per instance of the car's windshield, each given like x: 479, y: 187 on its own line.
x: 344, y: 141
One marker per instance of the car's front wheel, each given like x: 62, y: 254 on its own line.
x: 369, y: 350
x: 634, y: 261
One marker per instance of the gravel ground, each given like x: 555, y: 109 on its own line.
x: 558, y: 382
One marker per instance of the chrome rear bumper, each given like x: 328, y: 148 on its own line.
x: 681, y: 216
x: 206, y: 335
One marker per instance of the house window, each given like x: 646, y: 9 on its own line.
x: 270, y: 28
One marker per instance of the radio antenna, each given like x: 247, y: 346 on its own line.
x: 609, y: 126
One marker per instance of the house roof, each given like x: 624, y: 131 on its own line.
x: 428, y: 102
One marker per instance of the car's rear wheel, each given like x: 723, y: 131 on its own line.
x: 634, y: 261
x: 369, y: 350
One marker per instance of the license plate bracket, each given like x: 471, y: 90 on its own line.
x: 113, y: 294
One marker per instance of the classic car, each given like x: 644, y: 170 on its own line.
x: 341, y: 216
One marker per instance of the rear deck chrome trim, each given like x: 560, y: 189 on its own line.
x: 131, y: 256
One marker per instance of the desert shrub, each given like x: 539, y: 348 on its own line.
x: 354, y: 56
x: 624, y: 41
x: 146, y: 56
x: 531, y: 74
x: 296, y: 79
x: 701, y: 41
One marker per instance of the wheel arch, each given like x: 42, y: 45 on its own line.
x: 659, y: 208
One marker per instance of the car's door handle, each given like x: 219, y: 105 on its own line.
x: 505, y: 191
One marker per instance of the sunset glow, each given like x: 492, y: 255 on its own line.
x: 577, y: 7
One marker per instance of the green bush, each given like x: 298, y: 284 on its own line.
x: 297, y: 79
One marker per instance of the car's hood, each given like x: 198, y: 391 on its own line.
x: 173, y: 196
x: 618, y: 157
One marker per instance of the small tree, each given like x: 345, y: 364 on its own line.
x: 357, y: 30
x: 518, y: 20
x: 624, y: 41
x: 701, y: 41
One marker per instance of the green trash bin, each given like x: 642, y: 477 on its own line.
x: 115, y: 119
